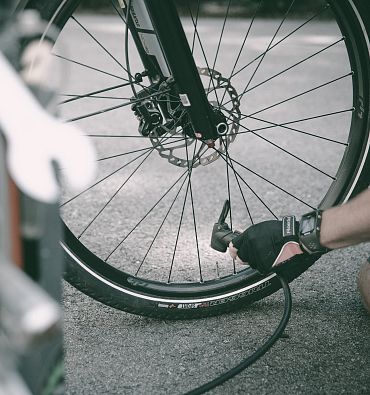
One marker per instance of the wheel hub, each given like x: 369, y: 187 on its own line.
x: 176, y: 141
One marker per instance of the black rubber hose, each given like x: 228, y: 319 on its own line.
x: 259, y: 352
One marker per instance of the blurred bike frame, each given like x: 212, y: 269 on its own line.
x: 31, y: 263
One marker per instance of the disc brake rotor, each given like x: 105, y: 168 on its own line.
x: 176, y: 151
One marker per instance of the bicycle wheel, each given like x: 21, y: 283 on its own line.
x: 294, y: 91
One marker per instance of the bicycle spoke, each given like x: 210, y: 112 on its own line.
x: 228, y: 181
x: 131, y: 82
x: 242, y: 194
x: 248, y: 186
x: 161, y: 226
x: 89, y: 67
x: 94, y: 93
x: 281, y: 40
x: 193, y: 210
x: 303, y: 93
x: 117, y: 170
x: 268, y: 48
x: 291, y: 67
x: 220, y: 40
x: 289, y: 153
x: 96, y: 97
x: 243, y: 44
x: 99, y: 44
x: 228, y: 192
x: 114, y: 195
x: 196, y: 24
x: 321, y: 115
x: 283, y: 125
x: 102, y: 179
x: 122, y: 241
x: 240, y: 96
x: 203, y: 53
x: 145, y: 216
x: 189, y: 171
x: 176, y: 140
x: 229, y: 163
x: 141, y: 149
x: 119, y: 13
x: 245, y: 39
x: 103, y: 111
x: 269, y: 182
x: 178, y: 232
x: 130, y: 103
x: 138, y: 136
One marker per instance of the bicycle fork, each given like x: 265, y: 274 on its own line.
x: 159, y: 36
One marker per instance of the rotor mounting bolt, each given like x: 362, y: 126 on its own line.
x: 138, y: 78
x: 222, y: 128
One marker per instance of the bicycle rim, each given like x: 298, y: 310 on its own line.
x: 138, y: 239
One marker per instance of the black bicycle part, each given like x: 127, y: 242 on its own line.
x: 171, y: 35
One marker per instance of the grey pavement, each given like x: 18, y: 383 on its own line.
x: 327, y: 348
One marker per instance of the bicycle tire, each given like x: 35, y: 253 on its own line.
x: 135, y: 294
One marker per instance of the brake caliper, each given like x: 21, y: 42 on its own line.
x: 149, y: 116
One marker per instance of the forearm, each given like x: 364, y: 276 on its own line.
x: 347, y: 225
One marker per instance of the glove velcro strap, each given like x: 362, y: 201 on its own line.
x: 289, y: 227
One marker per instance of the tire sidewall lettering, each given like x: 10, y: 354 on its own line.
x: 218, y: 302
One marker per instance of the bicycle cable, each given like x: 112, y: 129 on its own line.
x: 259, y: 352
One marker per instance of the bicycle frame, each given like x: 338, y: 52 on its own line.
x: 152, y: 22
x: 30, y: 320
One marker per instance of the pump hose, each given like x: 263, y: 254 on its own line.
x: 259, y: 352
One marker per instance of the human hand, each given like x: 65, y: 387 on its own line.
x: 267, y: 245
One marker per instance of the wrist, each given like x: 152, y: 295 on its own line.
x: 324, y: 239
x: 331, y: 236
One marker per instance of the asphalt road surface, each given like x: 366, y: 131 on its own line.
x: 326, y: 349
